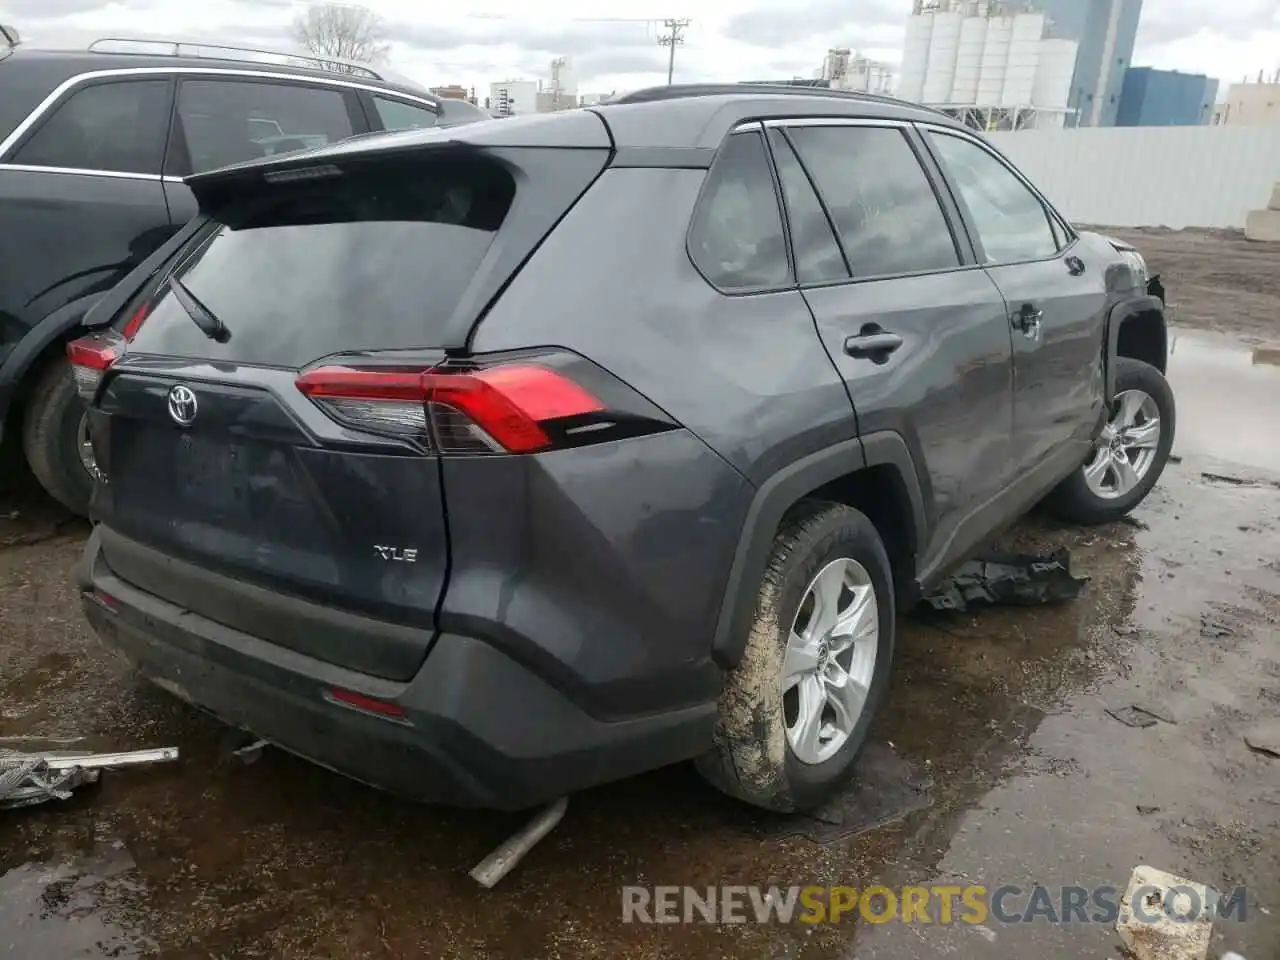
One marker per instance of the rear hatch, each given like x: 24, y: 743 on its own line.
x: 234, y: 489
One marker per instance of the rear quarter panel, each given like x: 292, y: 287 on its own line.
x: 652, y: 527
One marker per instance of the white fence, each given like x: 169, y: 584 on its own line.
x: 1151, y: 176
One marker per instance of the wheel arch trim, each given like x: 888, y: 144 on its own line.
x: 771, y: 501
x: 1120, y: 314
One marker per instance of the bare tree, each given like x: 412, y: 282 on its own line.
x: 343, y: 31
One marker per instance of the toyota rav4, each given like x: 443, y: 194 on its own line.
x: 489, y: 463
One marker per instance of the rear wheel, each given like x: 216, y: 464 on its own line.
x: 1131, y: 452
x: 795, y: 712
x: 55, y: 439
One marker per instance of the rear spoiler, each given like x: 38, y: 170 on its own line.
x: 577, y: 129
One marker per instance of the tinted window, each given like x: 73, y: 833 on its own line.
x: 227, y: 121
x: 1011, y: 222
x: 398, y: 115
x: 366, y: 259
x: 817, y: 253
x: 883, y: 205
x: 737, y: 238
x: 111, y: 126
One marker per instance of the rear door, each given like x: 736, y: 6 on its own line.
x: 1055, y: 299
x: 916, y: 330
x: 81, y: 202
x: 221, y: 120
x: 220, y: 457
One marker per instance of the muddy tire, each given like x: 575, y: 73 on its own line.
x: 788, y: 732
x: 51, y: 438
x: 1131, y: 453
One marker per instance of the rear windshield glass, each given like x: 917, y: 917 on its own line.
x: 371, y: 259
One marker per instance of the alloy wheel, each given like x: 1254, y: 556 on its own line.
x: 1126, y: 448
x: 830, y: 660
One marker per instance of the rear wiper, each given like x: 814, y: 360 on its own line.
x: 202, y: 316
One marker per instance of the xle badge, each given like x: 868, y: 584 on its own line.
x: 398, y: 554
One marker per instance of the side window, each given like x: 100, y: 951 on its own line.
x: 736, y: 239
x: 1012, y: 223
x: 230, y: 121
x: 883, y: 204
x: 118, y: 127
x: 398, y: 115
x: 818, y: 255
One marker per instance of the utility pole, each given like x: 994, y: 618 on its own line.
x: 673, y: 37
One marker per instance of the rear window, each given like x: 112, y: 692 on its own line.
x: 371, y: 259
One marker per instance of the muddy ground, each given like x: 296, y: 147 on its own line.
x: 1217, y: 279
x: 997, y: 726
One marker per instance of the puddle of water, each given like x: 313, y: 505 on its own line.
x: 1228, y: 396
x: 67, y: 910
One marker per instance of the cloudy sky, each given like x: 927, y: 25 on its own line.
x: 727, y: 39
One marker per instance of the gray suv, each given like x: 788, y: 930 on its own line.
x: 489, y: 463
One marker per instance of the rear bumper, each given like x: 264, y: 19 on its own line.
x: 479, y: 728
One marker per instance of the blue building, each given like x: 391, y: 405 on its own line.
x: 1106, y: 31
x: 1166, y: 98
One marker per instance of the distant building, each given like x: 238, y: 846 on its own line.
x: 593, y: 99
x: 1251, y: 103
x: 549, y: 101
x: 513, y: 98
x: 453, y: 91
x: 1166, y: 98
x: 1105, y: 31
x: 845, y: 70
x: 988, y: 63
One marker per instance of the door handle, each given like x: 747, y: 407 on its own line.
x: 1027, y: 319
x: 1075, y: 266
x: 873, y: 344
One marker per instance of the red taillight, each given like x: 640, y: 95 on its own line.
x: 134, y: 323
x: 497, y: 409
x: 90, y: 357
x: 358, y: 701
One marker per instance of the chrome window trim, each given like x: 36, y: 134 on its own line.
x: 81, y: 79
x: 84, y: 172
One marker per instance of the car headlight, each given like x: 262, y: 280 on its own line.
x: 1138, y: 263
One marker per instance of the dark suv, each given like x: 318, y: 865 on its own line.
x: 93, y: 148
x: 490, y: 463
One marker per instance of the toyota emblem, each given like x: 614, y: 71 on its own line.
x: 182, y: 405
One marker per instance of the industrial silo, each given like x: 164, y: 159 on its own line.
x: 973, y: 40
x: 944, y: 47
x: 915, y: 56
x: 995, y: 61
x: 1024, y: 59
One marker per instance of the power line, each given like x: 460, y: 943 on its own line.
x: 673, y: 38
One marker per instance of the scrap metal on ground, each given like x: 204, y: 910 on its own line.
x: 27, y: 779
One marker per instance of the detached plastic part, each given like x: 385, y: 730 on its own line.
x: 1009, y: 579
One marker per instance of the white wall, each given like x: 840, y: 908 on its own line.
x: 1150, y: 176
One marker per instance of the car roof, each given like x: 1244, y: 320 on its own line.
x: 60, y: 65
x: 699, y: 116
x: 681, y: 125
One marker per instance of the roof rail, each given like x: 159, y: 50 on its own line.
x: 681, y: 90
x: 149, y: 46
